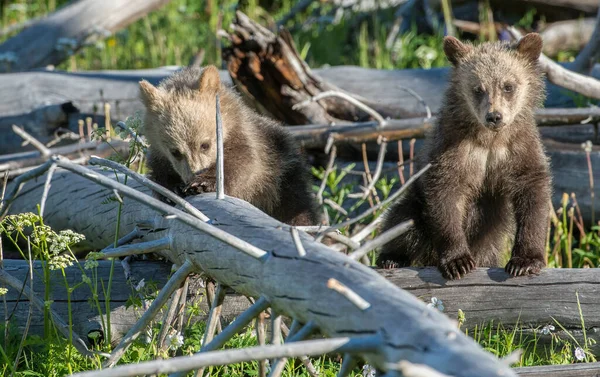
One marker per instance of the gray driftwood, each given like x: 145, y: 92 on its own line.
x: 578, y: 370
x: 88, y: 91
x: 294, y: 285
x: 485, y: 296
x: 50, y: 40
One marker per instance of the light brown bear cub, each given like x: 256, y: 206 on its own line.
x: 262, y: 163
x: 489, y: 180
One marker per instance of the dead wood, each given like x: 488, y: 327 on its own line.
x: 571, y: 35
x: 88, y: 91
x: 52, y: 39
x: 579, y: 370
x: 293, y: 285
x: 268, y: 69
x: 485, y: 296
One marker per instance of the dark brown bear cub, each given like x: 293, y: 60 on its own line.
x: 489, y: 181
x: 263, y: 164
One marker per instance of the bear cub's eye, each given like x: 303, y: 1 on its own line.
x: 478, y: 90
x: 205, y: 146
x: 508, y: 88
x: 177, y: 154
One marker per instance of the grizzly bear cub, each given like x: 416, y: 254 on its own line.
x: 262, y: 163
x: 489, y: 179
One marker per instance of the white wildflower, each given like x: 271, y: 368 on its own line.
x: 61, y: 261
x: 175, y: 341
x: 547, y: 330
x: 579, y: 354
x: 436, y: 303
x: 3, y: 291
x: 368, y: 371
x: 587, y: 146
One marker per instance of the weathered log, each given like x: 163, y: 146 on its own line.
x: 88, y: 91
x: 486, y: 296
x: 317, y: 136
x: 569, y: 35
x: 86, y: 318
x: 294, y: 285
x: 52, y: 39
x: 579, y: 370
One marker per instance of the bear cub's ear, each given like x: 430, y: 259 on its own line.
x: 455, y: 50
x: 210, y: 80
x: 530, y: 46
x: 151, y: 96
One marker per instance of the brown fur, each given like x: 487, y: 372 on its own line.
x: 489, y: 181
x: 263, y: 165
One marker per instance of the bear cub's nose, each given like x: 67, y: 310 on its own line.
x: 494, y: 117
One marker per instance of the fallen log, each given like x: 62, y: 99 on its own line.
x: 293, y: 284
x: 317, y: 136
x: 88, y: 91
x: 579, y: 370
x: 486, y: 296
x: 571, y: 35
x: 52, y: 39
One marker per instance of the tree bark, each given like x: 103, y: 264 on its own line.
x: 486, y: 296
x: 50, y: 40
x: 120, y: 89
x: 294, y: 285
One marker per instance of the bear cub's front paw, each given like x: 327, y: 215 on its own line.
x: 201, y: 184
x: 519, y: 266
x: 455, y: 267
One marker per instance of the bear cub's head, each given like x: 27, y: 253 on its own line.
x: 180, y: 121
x: 496, y: 83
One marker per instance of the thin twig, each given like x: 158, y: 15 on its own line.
x: 180, y: 365
x: 214, y: 317
x: 94, y: 160
x: 383, y: 238
x: 380, y: 159
x: 260, y: 336
x: 168, y: 318
x: 310, y: 368
x: 235, y: 327
x: 303, y: 333
x: 220, y: 153
x: 19, y: 182
x: 47, y: 188
x: 31, y: 140
x: 335, y: 206
x: 328, y: 171
x: 334, y: 93
x: 162, y: 297
x: 367, y: 174
x: 412, y: 156
x: 352, y: 296
x: 153, y: 246
x: 390, y: 199
x: 400, y: 162
x: 419, y: 98
x: 367, y: 230
x: 349, y: 362
x: 297, y: 241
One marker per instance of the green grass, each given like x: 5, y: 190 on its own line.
x: 179, y: 30
x: 172, y: 36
